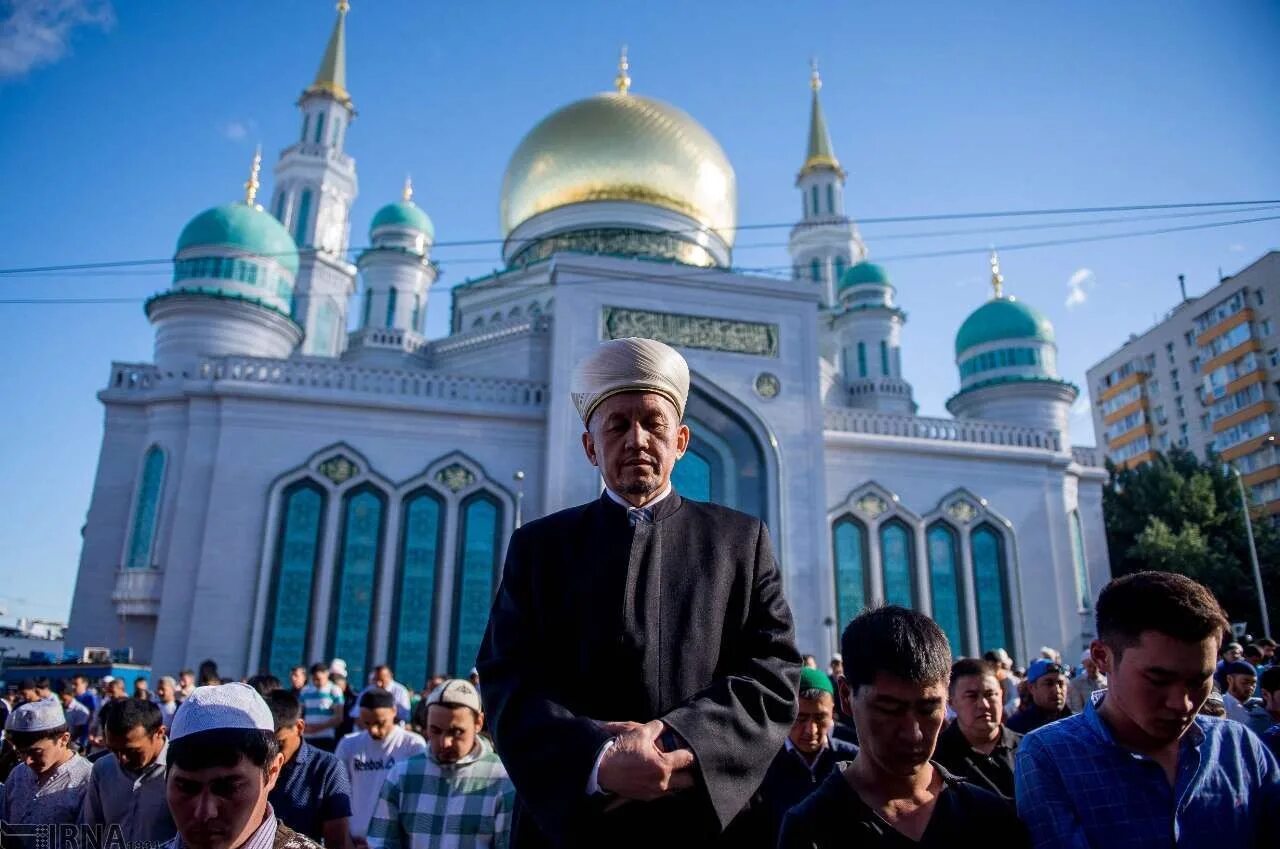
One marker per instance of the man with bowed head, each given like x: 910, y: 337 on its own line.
x: 639, y: 667
x: 1140, y: 767
x: 223, y: 762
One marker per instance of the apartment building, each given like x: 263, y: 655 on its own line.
x: 1207, y: 376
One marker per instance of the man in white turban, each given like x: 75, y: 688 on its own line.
x: 639, y: 666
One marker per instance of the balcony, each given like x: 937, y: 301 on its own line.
x: 137, y: 592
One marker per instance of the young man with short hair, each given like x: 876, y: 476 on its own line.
x: 1081, y: 688
x: 897, y: 664
x: 456, y: 795
x: 384, y: 679
x: 1047, y: 680
x: 127, y: 787
x: 370, y: 754
x: 167, y: 699
x: 1242, y: 679
x: 47, y: 786
x: 312, y: 795
x: 298, y: 679
x: 977, y: 745
x: 1140, y: 767
x: 808, y: 756
x: 322, y: 703
x: 77, y: 715
x: 186, y: 684
x: 223, y: 763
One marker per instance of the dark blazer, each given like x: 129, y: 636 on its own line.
x: 680, y: 619
x: 786, y: 784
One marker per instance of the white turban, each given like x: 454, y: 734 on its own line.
x: 629, y: 365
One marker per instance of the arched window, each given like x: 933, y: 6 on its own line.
x: 990, y: 588
x: 146, y: 510
x: 415, y: 593
x: 368, y: 305
x: 304, y: 215
x: 897, y: 563
x: 337, y: 132
x: 297, y: 555
x: 831, y: 198
x: 862, y: 359
x: 840, y: 265
x: 849, y: 544
x: 1084, y: 593
x: 391, y: 308
x: 355, y: 579
x: 319, y: 127
x: 417, y: 312
x: 884, y: 358
x: 306, y: 123
x: 813, y: 195
x: 475, y: 580
x: 944, y: 583
x: 280, y: 207
x: 815, y: 270
x: 692, y: 476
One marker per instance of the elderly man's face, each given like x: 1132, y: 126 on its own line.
x: 635, y: 438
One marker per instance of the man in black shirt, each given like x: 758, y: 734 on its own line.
x: 976, y: 745
x: 1047, y: 680
x: 897, y: 664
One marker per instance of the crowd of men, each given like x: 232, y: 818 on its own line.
x: 639, y: 686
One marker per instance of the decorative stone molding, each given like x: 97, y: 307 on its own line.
x: 137, y: 592
x: 949, y: 430
x: 692, y: 331
x: 768, y: 385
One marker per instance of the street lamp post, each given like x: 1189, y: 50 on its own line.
x: 1253, y: 549
x: 518, y: 477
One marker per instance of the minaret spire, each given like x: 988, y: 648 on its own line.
x: 623, y: 81
x: 997, y: 279
x: 251, y: 185
x: 331, y: 78
x: 819, y: 153
x: 406, y: 194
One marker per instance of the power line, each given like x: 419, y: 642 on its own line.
x: 952, y: 216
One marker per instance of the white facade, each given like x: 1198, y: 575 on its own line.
x: 271, y: 510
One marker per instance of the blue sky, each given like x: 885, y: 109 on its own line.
x: 124, y: 122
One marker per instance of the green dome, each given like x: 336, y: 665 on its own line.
x: 864, y: 273
x: 405, y: 214
x: 1000, y: 319
x: 245, y: 228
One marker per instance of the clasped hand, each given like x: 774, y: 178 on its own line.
x: 636, y: 767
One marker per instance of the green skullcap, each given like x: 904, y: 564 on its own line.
x: 815, y: 679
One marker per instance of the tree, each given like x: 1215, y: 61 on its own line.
x: 1179, y: 514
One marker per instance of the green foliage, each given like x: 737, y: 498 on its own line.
x: 1179, y: 514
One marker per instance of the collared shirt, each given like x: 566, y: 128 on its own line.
x: 318, y: 705
x: 263, y: 837
x: 638, y: 514
x: 167, y: 710
x: 1081, y: 687
x: 311, y: 790
x: 834, y: 816
x: 1235, y: 708
x: 135, y: 801
x: 57, y: 800
x: 811, y: 765
x: 1078, y: 787
x: 425, y: 804
x: 994, y: 771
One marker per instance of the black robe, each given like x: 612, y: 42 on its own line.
x: 681, y: 619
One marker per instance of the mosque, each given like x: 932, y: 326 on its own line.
x: 287, y: 482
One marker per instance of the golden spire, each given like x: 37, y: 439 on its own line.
x: 331, y: 78
x: 407, y: 194
x: 251, y: 185
x: 997, y: 279
x: 623, y: 81
x: 819, y: 153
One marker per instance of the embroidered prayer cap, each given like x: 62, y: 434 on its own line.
x: 221, y: 706
x: 40, y: 715
x: 629, y: 365
x: 456, y: 693
x: 815, y: 679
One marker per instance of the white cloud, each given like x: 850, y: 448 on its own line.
x: 36, y: 32
x: 1082, y: 279
x: 235, y: 130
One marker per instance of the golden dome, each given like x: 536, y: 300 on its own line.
x: 621, y: 147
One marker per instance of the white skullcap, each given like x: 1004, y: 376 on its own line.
x: 338, y: 667
x: 455, y: 692
x: 629, y: 365
x: 219, y: 706
x: 40, y: 715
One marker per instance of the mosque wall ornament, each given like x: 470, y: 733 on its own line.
x: 768, y: 385
x: 455, y: 477
x: 872, y: 505
x: 962, y: 511
x: 693, y: 331
x: 338, y: 469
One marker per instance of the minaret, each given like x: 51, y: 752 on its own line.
x: 825, y: 242
x: 397, y: 273
x: 315, y: 184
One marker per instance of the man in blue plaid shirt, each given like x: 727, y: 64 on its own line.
x: 1139, y: 767
x: 457, y: 795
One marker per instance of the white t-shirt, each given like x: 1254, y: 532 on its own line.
x: 368, y: 761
